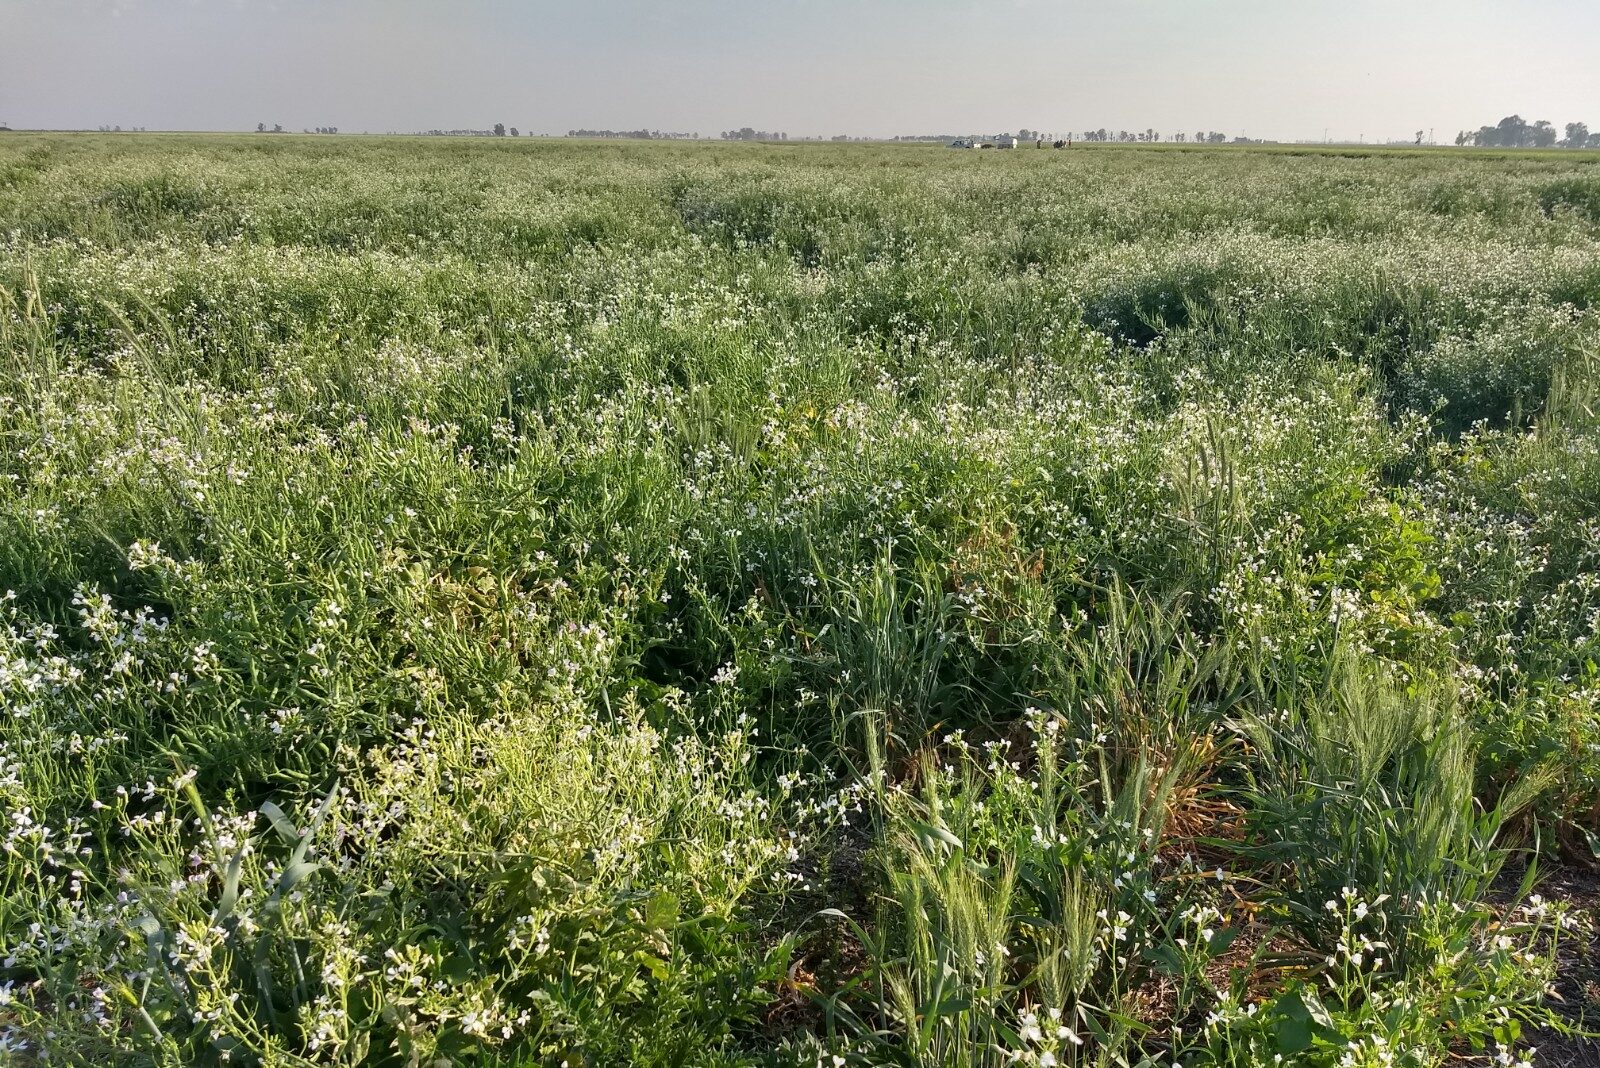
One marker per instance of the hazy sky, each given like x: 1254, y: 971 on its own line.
x: 1265, y: 68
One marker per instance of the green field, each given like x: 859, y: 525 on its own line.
x: 563, y: 603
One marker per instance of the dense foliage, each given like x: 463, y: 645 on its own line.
x: 560, y: 603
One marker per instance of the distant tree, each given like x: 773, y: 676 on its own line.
x: 1419, y: 138
x: 1462, y: 138
x: 1513, y: 131
x: 1577, y: 135
x: 1199, y: 137
x: 261, y: 127
x: 277, y: 127
x: 499, y: 129
x: 514, y: 132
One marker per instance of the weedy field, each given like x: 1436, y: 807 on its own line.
x: 519, y: 603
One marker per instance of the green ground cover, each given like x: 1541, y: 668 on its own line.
x: 525, y: 603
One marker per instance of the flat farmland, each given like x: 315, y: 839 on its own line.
x: 545, y: 602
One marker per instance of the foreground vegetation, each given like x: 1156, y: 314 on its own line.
x: 576, y: 604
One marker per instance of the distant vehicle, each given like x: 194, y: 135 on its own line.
x: 1005, y: 141
x: 961, y: 142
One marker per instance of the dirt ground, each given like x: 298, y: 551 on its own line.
x: 1578, y: 982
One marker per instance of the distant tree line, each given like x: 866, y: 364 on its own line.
x: 1514, y: 131
x: 262, y: 127
x: 636, y: 135
x: 1124, y: 136
x: 498, y: 130
x: 103, y: 129
x: 1510, y: 132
